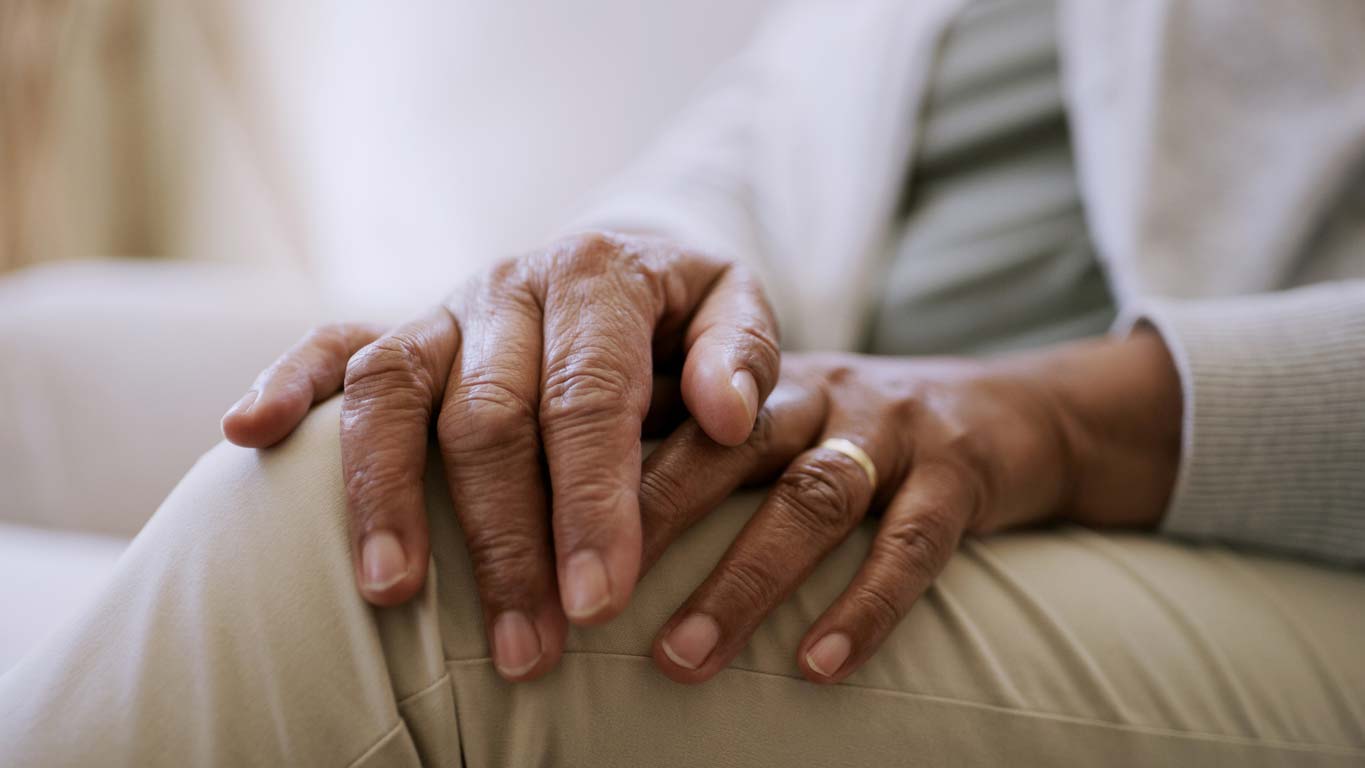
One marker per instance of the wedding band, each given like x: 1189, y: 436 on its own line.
x: 859, y: 456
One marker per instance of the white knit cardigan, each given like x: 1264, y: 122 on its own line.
x: 1221, y: 150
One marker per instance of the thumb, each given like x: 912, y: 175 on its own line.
x: 733, y: 357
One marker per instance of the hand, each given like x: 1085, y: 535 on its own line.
x: 1089, y: 432
x: 555, y: 353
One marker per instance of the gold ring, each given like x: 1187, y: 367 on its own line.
x: 859, y: 456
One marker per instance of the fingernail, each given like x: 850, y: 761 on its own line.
x: 829, y: 654
x: 516, y: 646
x: 692, y: 640
x: 382, y: 560
x: 586, y: 590
x: 743, y: 383
x: 243, y: 405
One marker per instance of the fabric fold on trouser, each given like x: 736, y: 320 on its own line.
x: 232, y: 634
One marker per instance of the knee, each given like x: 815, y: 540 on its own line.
x: 246, y: 513
x: 303, y: 470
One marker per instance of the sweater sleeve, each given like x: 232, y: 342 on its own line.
x: 1273, y: 451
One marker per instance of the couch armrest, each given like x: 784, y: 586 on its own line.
x: 113, y: 377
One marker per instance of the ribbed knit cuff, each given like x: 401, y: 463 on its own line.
x: 1273, y: 450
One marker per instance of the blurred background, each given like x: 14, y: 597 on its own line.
x: 186, y: 187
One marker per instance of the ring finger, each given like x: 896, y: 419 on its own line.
x: 811, y: 509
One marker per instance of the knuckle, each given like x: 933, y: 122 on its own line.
x: 374, y: 482
x: 595, y: 258
x: 841, y: 374
x: 505, y: 560
x: 395, y: 360
x: 586, y: 254
x: 506, y: 271
x: 593, y: 241
x: 372, y: 407
x: 748, y: 587
x: 662, y: 498
x: 331, y: 346
x: 587, y: 512
x: 484, y: 413
x: 920, y: 546
x: 759, y: 339
x: 509, y: 285
x: 329, y: 338
x: 878, y: 608
x: 906, y: 408
x: 585, y: 391
x: 815, y: 492
x: 578, y: 529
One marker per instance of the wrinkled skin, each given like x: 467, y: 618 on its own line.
x: 959, y: 447
x: 548, y: 360
x: 553, y: 365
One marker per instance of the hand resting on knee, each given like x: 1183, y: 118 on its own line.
x: 557, y: 363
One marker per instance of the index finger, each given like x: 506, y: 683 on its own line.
x: 392, y: 387
x: 310, y: 371
x: 918, y: 534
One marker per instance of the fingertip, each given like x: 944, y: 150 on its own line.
x: 676, y: 673
x: 387, y: 573
x: 517, y: 647
x: 593, y: 589
x: 525, y: 648
x: 811, y: 676
x: 393, y: 596
x: 553, y: 628
x: 724, y: 402
x: 586, y: 588
x: 684, y: 652
x: 236, y: 423
x: 825, y: 659
x: 387, y: 596
x: 258, y: 421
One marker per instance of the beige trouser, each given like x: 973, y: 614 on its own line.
x: 232, y: 634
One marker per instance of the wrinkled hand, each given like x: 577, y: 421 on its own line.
x: 550, y: 357
x: 958, y: 446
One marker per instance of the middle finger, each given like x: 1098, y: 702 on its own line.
x: 490, y: 443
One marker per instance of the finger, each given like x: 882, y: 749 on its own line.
x: 604, y: 298
x: 310, y: 371
x: 391, y: 387
x: 812, y: 507
x: 732, y: 357
x: 595, y: 391
x: 918, y: 534
x: 691, y: 474
x: 490, y: 443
